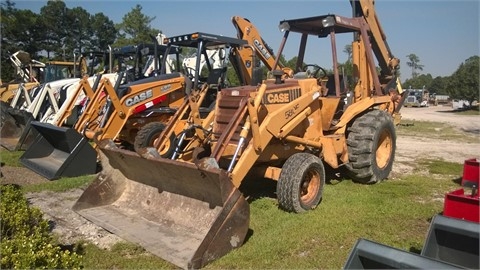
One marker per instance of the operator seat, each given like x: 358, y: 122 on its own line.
x: 216, y: 78
x: 331, y: 85
x: 215, y: 81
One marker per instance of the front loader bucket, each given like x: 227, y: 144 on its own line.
x: 59, y: 152
x: 453, y: 240
x: 15, y: 132
x: 367, y: 254
x: 183, y: 214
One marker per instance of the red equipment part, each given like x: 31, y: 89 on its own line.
x: 461, y: 203
x: 463, y: 206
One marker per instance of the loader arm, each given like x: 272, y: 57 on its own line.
x: 167, y: 89
x: 36, y: 105
x: 14, y: 93
x: 66, y: 108
x: 24, y: 65
x: 93, y: 108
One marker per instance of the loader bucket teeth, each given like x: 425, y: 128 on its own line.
x: 16, y: 133
x: 173, y: 209
x: 59, y: 152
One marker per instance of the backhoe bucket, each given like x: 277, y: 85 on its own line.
x: 185, y: 215
x: 15, y: 131
x: 59, y: 152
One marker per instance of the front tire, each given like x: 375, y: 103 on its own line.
x: 301, y: 183
x: 371, y: 143
x: 147, y: 136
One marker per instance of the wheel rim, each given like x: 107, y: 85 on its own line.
x: 165, y: 147
x: 153, y: 140
x: 309, y: 187
x: 384, y: 149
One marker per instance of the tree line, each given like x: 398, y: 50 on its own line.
x: 57, y: 31
x: 463, y: 83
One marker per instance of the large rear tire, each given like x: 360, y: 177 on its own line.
x: 301, y: 182
x: 371, y: 142
x: 147, y: 136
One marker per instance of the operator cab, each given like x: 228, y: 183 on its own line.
x: 143, y: 60
x: 205, y: 61
x: 332, y: 79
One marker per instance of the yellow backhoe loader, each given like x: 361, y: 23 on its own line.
x: 30, y: 74
x: 27, y: 71
x: 186, y: 207
x: 48, y: 138
x: 27, y: 104
x: 109, y: 110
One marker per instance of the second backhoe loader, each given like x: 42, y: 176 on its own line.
x: 42, y: 103
x: 28, y: 75
x: 19, y: 119
x: 57, y: 151
x: 284, y: 129
x: 108, y: 112
x: 244, y: 59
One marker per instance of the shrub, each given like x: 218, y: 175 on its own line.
x: 26, y: 241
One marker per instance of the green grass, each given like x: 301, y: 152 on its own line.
x: 11, y: 158
x: 60, y: 185
x: 441, y: 167
x: 396, y: 212
x: 434, y: 130
x: 122, y: 255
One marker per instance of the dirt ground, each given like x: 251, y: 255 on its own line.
x: 409, y: 148
x: 70, y: 227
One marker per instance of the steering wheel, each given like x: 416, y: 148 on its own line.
x: 190, y: 72
x: 313, y: 70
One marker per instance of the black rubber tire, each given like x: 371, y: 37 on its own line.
x: 301, y: 182
x: 147, y: 134
x: 4, y: 106
x: 3, y: 112
x: 371, y: 142
x: 8, y: 124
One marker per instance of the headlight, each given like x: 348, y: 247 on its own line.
x: 328, y: 21
x: 284, y: 26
